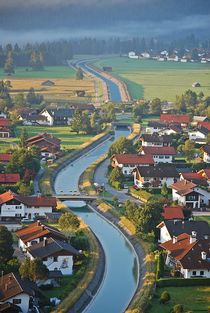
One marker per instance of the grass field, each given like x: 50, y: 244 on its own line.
x: 150, y: 78
x: 69, y: 140
x: 195, y: 299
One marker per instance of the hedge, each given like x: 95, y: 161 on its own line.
x: 142, y: 195
x: 182, y: 282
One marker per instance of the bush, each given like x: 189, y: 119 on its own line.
x: 165, y: 297
x: 178, y: 308
x: 181, y: 282
x: 160, y: 266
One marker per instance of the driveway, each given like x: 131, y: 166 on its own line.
x: 100, y: 177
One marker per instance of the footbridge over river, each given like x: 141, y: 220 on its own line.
x: 70, y: 197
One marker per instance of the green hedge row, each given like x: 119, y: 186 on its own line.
x: 181, y: 282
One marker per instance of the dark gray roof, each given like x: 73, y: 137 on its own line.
x: 50, y: 246
x: 60, y: 112
x: 156, y: 138
x: 158, y: 171
x: 157, y: 124
x: 176, y: 228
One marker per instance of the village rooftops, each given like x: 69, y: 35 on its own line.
x: 205, y: 173
x: 195, y: 178
x: 44, y: 136
x: 192, y: 254
x: 157, y: 124
x: 4, y: 122
x: 12, y: 285
x: 59, y: 112
x: 157, y: 171
x: 51, y: 246
x: 183, y: 187
x: 175, y: 119
x: 159, y: 150
x: 205, y: 125
x: 28, y: 200
x: 38, y: 230
x: 206, y: 149
x: 176, y: 228
x: 5, y: 157
x: 9, y: 178
x: 173, y: 212
x: 155, y: 137
x: 133, y: 159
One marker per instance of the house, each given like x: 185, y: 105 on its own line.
x: 58, y: 116
x: 9, y: 179
x: 171, y: 130
x: 15, y: 293
x: 206, y: 153
x: 170, y: 228
x: 154, y: 176
x: 182, y: 119
x: 155, y: 126
x: 55, y: 254
x: 5, y: 157
x: 188, y: 255
x: 186, y: 193
x: 48, y: 144
x: 198, y: 119
x: 196, y: 84
x: 198, y: 136
x: 4, y: 122
x: 132, y: 55
x: 48, y: 83
x: 155, y: 140
x: 206, y: 174
x: 195, y: 178
x: 80, y: 93
x: 173, y: 212
x: 160, y: 154
x: 32, y: 118
x: 127, y: 162
x: 35, y: 233
x: 204, y: 127
x: 83, y: 107
x: 13, y: 205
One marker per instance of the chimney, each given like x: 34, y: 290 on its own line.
x: 203, y: 255
x: 174, y: 240
x: 44, y: 241
x: 193, y: 236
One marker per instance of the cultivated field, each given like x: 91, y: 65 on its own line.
x: 150, y: 78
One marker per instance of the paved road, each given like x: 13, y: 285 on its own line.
x: 100, y: 177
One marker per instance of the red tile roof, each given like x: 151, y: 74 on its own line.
x: 174, y: 119
x: 173, y: 212
x: 205, y: 173
x: 196, y: 178
x: 44, y: 136
x: 159, y: 150
x: 205, y: 125
x: 9, y: 178
x: 135, y: 159
x: 183, y: 187
x: 5, y: 157
x: 4, y: 122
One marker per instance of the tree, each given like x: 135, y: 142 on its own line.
x: 86, y: 127
x: 79, y: 74
x: 9, y: 63
x: 116, y: 175
x: 19, y: 100
x: 76, y: 122
x: 156, y: 106
x: 150, y: 215
x: 24, y: 269
x: 69, y: 222
x: 164, y: 297
x: 23, y: 138
x: 33, y: 98
x: 108, y: 112
x: 6, y: 242
x: 178, y: 308
x: 121, y: 145
x: 164, y: 190
x: 33, y: 269
x: 36, y: 60
x: 188, y: 148
x: 160, y: 266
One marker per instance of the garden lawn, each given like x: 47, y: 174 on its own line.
x: 48, y: 73
x: 196, y: 299
x: 151, y: 78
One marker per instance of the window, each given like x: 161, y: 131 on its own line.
x: 201, y: 273
x: 192, y: 198
x: 16, y: 301
x: 55, y: 259
x: 161, y: 157
x: 167, y: 156
x: 194, y: 273
x: 18, y: 207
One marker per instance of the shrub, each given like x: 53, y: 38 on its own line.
x: 160, y: 266
x: 178, y: 308
x: 181, y: 282
x: 165, y: 297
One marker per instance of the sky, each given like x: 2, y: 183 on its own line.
x: 36, y: 20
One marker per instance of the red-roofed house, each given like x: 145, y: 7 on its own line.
x: 206, y: 174
x: 9, y: 179
x: 160, y: 154
x: 182, y: 119
x: 5, y: 157
x: 17, y: 206
x: 4, y: 122
x: 188, y: 255
x: 47, y: 143
x: 173, y: 213
x: 127, y: 162
x: 206, y: 153
x: 196, y: 178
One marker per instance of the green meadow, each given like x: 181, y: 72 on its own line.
x: 150, y: 78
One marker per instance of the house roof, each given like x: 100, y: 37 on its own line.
x: 155, y: 137
x: 157, y: 124
x: 195, y: 178
x: 205, y: 125
x: 197, y: 118
x: 51, y: 246
x: 12, y: 285
x: 176, y: 228
x: 5, y: 157
x: 159, y: 150
x: 83, y: 106
x: 205, y: 173
x: 183, y: 187
x: 133, y: 159
x: 158, y: 171
x: 206, y: 148
x: 4, y: 122
x: 189, y: 254
x: 38, y: 230
x: 174, y: 118
x: 59, y: 112
x: 9, y: 178
x: 49, y: 138
x: 173, y: 212
x: 28, y: 200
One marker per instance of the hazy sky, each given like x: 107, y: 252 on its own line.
x: 48, y: 19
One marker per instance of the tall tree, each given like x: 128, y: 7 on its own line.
x: 23, y: 138
x: 6, y: 242
x: 79, y: 74
x: 9, y: 63
x: 69, y: 222
x: 76, y: 123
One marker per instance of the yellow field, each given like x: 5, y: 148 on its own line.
x: 64, y: 89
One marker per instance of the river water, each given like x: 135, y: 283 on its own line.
x: 120, y: 279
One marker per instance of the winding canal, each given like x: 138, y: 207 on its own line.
x: 121, y: 275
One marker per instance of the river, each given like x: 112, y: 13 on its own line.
x: 121, y: 275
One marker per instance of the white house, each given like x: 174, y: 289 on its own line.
x: 55, y: 254
x: 13, y: 205
x: 155, y: 140
x: 155, y: 126
x: 132, y: 55
x: 58, y: 116
x: 198, y: 136
x: 154, y: 176
x: 188, y: 255
x: 15, y: 292
x: 127, y: 162
x: 160, y: 154
x: 206, y: 153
